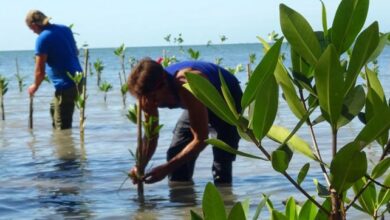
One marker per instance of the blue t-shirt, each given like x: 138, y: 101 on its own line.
x: 58, y: 43
x: 209, y: 69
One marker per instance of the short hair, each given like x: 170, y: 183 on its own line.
x: 145, y: 77
x: 37, y: 17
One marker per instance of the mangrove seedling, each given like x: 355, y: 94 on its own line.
x: 151, y: 130
x: 105, y: 87
x: 3, y: 91
x: 194, y: 54
x: 19, y: 77
x: 120, y: 52
x: 99, y: 67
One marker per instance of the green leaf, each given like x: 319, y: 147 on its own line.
x: 302, y: 173
x: 376, y: 102
x: 348, y: 166
x: 321, y: 189
x: 202, y: 89
x: 295, y: 143
x: 380, y: 168
x: 195, y: 216
x: 228, y: 96
x: 322, y: 215
x: 281, y: 158
x: 384, y: 194
x: 259, y: 207
x: 353, y: 104
x: 223, y: 146
x: 276, y: 215
x: 291, y: 209
x: 365, y: 45
x: 383, y: 40
x: 237, y: 212
x: 330, y: 85
x: 265, y: 109
x: 283, y: 79
x: 213, y: 207
x: 308, y: 211
x: 324, y: 19
x: 374, y: 129
x: 367, y: 199
x: 264, y: 70
x: 349, y: 20
x: 299, y: 34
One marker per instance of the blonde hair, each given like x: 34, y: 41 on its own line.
x: 37, y: 17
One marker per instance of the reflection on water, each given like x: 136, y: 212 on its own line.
x: 67, y: 178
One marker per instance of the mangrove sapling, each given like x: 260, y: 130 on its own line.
x: 151, y: 130
x: 3, y: 91
x: 19, y: 77
x: 105, y: 87
x: 120, y: 52
x: 194, y: 54
x: 320, y: 79
x: 99, y: 67
x: 31, y: 112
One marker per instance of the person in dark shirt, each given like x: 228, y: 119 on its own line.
x: 157, y: 87
x: 56, y: 48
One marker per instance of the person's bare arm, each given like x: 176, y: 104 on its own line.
x: 39, y: 73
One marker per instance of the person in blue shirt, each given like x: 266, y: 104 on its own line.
x: 157, y: 87
x: 55, y: 55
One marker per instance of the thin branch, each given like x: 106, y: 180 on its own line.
x: 376, y: 182
x: 385, y: 151
x: 358, y: 195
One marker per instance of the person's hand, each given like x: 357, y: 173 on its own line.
x: 32, y: 89
x: 156, y: 174
x: 134, y: 176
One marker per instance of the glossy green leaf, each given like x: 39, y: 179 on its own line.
x: 291, y: 209
x: 348, y: 166
x: 353, y: 104
x: 281, y: 158
x: 380, y: 168
x: 365, y: 45
x: 213, y: 206
x: 202, y: 89
x: 302, y: 173
x: 299, y: 34
x: 283, y: 79
x: 376, y: 102
x: 324, y: 19
x: 195, y: 216
x: 384, y: 194
x: 348, y: 21
x: 321, y: 189
x: 279, y: 134
x: 264, y: 70
x: 260, y: 207
x: 276, y: 215
x: 265, y: 109
x: 223, y: 146
x: 308, y: 211
x: 330, y: 85
x: 383, y: 41
x: 367, y: 199
x: 322, y: 215
x: 237, y: 212
x: 245, y: 206
x: 228, y: 96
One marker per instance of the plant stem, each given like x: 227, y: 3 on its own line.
x: 84, y: 93
x: 314, y: 139
x: 139, y: 153
x: 385, y: 151
x: 30, y: 117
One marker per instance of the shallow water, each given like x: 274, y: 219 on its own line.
x: 47, y: 174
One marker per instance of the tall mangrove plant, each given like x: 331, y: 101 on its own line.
x: 325, y: 85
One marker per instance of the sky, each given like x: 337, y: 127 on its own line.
x: 109, y: 23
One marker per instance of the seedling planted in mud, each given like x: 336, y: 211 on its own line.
x: 105, y: 87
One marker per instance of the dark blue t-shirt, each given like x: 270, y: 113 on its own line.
x: 58, y: 43
x: 209, y: 69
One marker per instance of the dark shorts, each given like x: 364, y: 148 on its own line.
x: 222, y: 163
x: 62, y: 108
